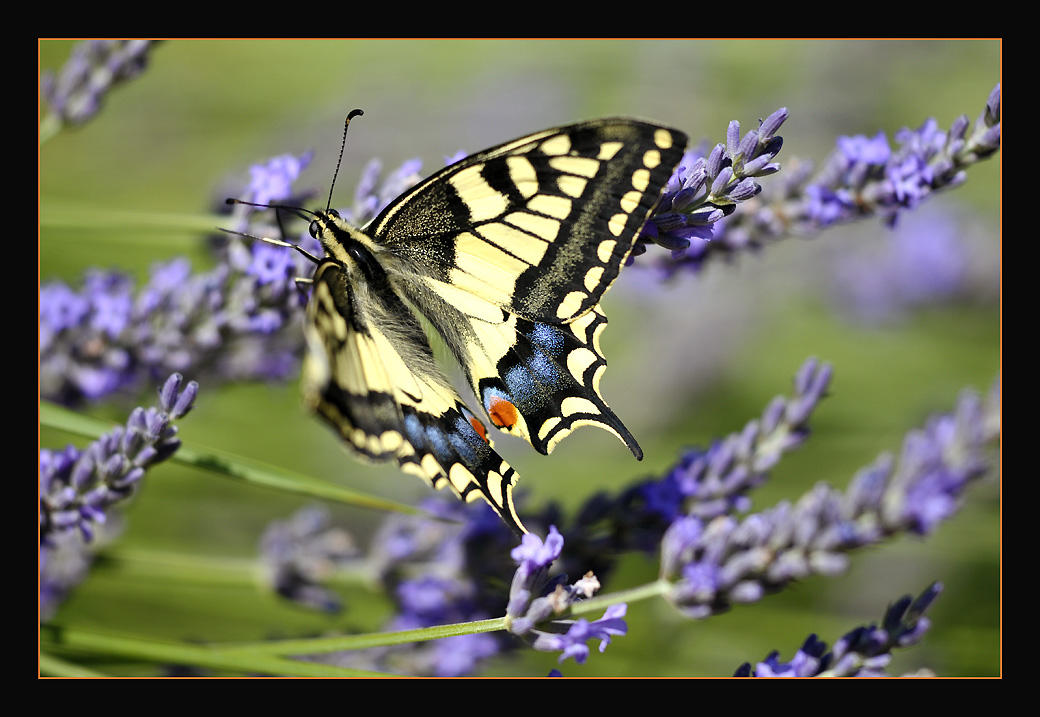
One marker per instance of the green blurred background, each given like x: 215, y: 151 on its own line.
x: 689, y: 360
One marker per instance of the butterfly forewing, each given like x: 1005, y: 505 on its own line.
x: 507, y: 253
x: 541, y: 225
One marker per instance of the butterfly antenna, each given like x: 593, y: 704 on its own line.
x: 298, y: 211
x: 350, y: 115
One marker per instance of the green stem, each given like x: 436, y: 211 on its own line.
x: 55, y: 639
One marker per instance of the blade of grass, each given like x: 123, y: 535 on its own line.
x: 229, y: 465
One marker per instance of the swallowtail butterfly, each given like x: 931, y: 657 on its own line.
x: 507, y: 254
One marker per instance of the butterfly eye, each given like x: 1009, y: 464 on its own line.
x: 314, y: 229
x: 333, y: 213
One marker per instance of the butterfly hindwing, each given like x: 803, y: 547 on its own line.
x: 371, y: 374
x: 535, y: 380
x: 547, y: 383
x: 507, y: 253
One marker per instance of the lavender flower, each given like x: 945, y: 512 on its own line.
x: 717, y: 563
x: 221, y: 323
x: 303, y: 551
x: 863, y: 177
x: 373, y: 194
x: 78, y: 357
x: 705, y: 483
x: 66, y: 559
x: 534, y: 557
x: 440, y: 574
x: 273, y: 181
x: 437, y: 573
x: 708, y: 186
x: 77, y: 487
x: 573, y: 642
x: 531, y: 618
x: 76, y: 93
x: 863, y: 652
x: 239, y: 321
x: 809, y: 661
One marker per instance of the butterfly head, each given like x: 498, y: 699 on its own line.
x: 335, y: 235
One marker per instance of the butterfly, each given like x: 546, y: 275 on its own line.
x: 506, y: 254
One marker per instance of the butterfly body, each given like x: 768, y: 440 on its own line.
x: 507, y: 254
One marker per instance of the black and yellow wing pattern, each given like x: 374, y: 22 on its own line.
x: 507, y: 254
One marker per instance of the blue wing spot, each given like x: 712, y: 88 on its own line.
x: 415, y: 432
x: 531, y: 381
x: 544, y: 370
x: 523, y: 387
x: 440, y: 444
x: 546, y: 338
x: 468, y: 444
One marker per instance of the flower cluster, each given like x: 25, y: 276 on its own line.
x: 708, y: 186
x: 303, y: 551
x: 436, y: 573
x: 77, y: 487
x: 226, y: 323
x: 709, y: 559
x: 863, y: 652
x: 713, y: 564
x: 533, y: 617
x: 95, y: 67
x: 704, y: 483
x: 451, y: 570
x: 863, y: 177
x: 273, y: 180
x: 239, y: 321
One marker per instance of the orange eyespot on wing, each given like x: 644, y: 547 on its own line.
x: 479, y: 428
x: 502, y: 412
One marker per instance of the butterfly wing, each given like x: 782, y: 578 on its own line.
x: 508, y: 253
x: 371, y: 374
